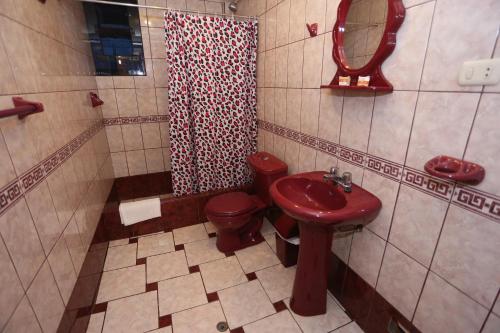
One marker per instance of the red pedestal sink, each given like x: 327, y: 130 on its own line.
x: 321, y: 208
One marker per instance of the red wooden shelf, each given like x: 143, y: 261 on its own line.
x: 369, y: 88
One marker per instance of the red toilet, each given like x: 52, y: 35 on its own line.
x: 238, y: 216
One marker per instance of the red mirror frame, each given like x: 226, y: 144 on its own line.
x: 395, y: 17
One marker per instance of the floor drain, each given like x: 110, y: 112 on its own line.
x: 222, y: 326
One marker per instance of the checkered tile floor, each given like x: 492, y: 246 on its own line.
x: 179, y: 282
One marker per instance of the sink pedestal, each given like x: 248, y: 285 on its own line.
x: 320, y: 207
x: 310, y: 285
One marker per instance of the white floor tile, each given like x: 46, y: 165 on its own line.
x: 190, y: 234
x: 332, y: 319
x: 137, y: 313
x: 181, y: 293
x: 277, y: 281
x: 202, y: 318
x: 120, y: 256
x: 118, y: 242
x: 267, y: 228
x: 279, y: 322
x: 271, y: 240
x: 221, y: 274
x: 202, y: 251
x: 155, y: 244
x: 209, y: 226
x: 167, y: 329
x: 95, y: 323
x: 166, y: 266
x: 122, y: 282
x: 256, y: 257
x: 349, y: 328
x: 245, y: 303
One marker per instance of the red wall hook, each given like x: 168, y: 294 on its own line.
x: 313, y: 29
x: 22, y: 108
x: 96, y: 101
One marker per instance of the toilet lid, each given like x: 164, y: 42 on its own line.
x: 230, y: 204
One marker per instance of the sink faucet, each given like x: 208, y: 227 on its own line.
x: 345, y: 181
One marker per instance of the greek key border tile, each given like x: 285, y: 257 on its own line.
x: 135, y: 120
x: 385, y: 168
x: 476, y: 201
x: 10, y: 193
x: 328, y: 147
x: 419, y: 180
x: 351, y: 156
x: 484, y: 204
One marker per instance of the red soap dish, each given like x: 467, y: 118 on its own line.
x: 452, y: 168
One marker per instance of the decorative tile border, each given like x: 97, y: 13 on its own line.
x: 484, y: 204
x: 351, y: 156
x: 13, y: 191
x: 344, y: 153
x: 438, y: 188
x: 9, y: 195
x: 328, y: 147
x: 135, y: 120
x: 476, y: 201
x: 385, y: 168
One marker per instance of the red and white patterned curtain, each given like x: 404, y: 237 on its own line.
x: 212, y: 100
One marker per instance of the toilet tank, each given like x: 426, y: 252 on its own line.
x: 267, y: 168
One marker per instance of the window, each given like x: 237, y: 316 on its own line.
x: 115, y: 38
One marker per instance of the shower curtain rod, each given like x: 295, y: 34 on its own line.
x: 164, y: 8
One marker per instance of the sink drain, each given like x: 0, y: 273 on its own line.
x: 222, y: 326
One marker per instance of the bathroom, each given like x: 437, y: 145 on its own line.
x: 320, y: 190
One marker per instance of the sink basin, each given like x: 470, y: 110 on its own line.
x: 321, y: 208
x: 310, y: 194
x: 307, y: 197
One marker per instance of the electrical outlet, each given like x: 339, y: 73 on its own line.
x: 480, y: 72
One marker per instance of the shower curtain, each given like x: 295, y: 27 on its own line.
x: 212, y: 100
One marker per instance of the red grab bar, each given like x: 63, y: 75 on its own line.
x: 22, y: 108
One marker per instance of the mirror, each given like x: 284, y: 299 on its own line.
x: 364, y: 29
x: 364, y: 35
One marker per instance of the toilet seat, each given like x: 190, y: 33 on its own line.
x: 230, y: 204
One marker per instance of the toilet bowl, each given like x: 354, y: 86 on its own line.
x: 238, y: 216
